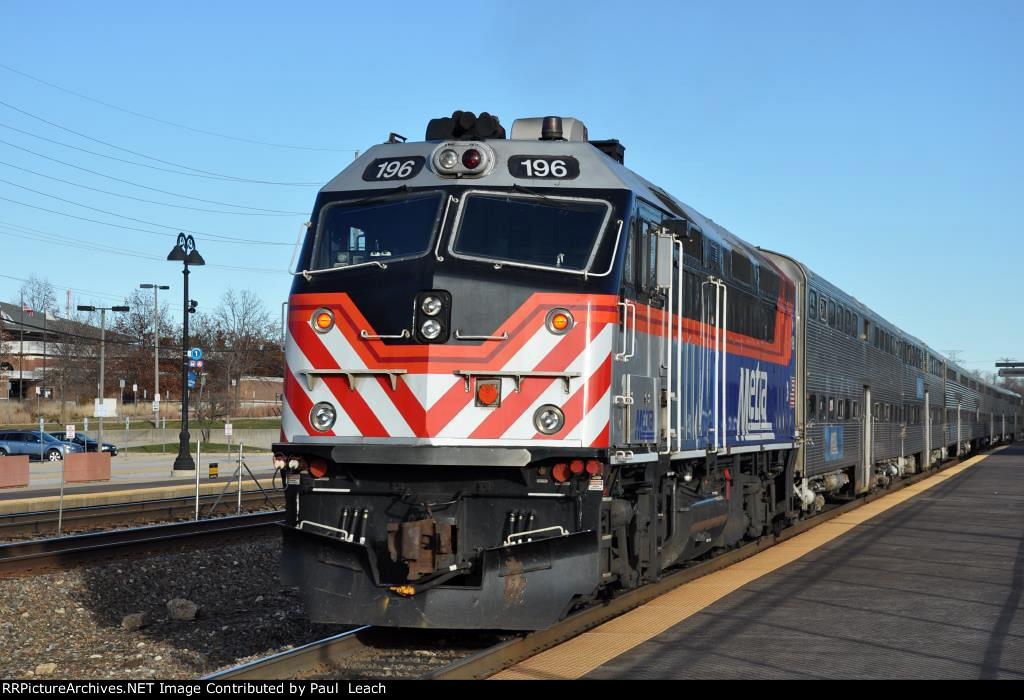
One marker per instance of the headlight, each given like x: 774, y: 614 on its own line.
x: 430, y: 329
x: 431, y: 305
x: 448, y: 159
x: 322, y: 417
x: 549, y: 419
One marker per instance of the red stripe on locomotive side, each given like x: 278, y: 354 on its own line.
x: 560, y: 357
x: 603, y: 438
x: 446, y: 358
x: 298, y: 401
x: 574, y: 409
x: 351, y: 401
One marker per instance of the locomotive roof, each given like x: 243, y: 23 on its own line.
x: 597, y: 171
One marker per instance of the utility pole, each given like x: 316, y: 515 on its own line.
x: 156, y: 339
x: 103, y: 349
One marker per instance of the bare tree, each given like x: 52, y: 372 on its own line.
x: 134, y: 329
x: 39, y: 294
x: 244, y: 333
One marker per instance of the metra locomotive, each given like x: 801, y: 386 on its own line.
x: 520, y: 376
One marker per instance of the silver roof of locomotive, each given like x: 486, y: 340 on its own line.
x: 597, y: 171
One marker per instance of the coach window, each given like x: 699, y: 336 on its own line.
x: 823, y: 309
x: 822, y: 408
x: 855, y: 410
x: 831, y: 408
x: 812, y: 304
x: 812, y: 404
x: 867, y: 331
x: 832, y: 314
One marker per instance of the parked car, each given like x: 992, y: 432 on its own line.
x: 90, y: 445
x: 36, y: 445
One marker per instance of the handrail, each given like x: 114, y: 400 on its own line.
x: 366, y: 336
x: 502, y: 337
x: 518, y: 377
x: 311, y: 375
x: 629, y: 310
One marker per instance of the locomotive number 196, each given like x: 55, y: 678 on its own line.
x: 394, y: 168
x: 544, y: 167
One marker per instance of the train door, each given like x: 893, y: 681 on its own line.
x: 863, y: 473
x: 926, y: 458
x: 958, y: 433
x: 637, y: 361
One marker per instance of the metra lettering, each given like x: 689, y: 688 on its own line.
x: 752, y: 416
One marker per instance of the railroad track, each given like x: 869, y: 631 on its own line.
x: 357, y: 652
x: 44, y: 522
x: 57, y: 553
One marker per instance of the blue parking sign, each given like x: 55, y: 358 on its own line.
x: 195, y: 354
x: 191, y: 380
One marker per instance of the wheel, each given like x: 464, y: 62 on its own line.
x: 54, y: 455
x: 3, y: 452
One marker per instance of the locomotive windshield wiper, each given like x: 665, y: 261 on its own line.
x: 569, y: 206
x: 383, y: 194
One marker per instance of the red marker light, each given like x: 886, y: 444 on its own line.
x: 576, y: 466
x: 318, y: 468
x: 560, y: 472
x: 472, y: 158
x: 594, y: 467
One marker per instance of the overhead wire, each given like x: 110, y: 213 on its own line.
x: 336, y: 149
x: 137, y: 199
x: 145, y: 187
x: 216, y: 236
x: 29, y: 233
x: 196, y: 173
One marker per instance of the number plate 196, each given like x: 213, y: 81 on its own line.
x: 394, y: 168
x: 544, y: 167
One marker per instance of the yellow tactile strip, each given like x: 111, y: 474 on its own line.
x: 102, y: 498
x: 582, y: 654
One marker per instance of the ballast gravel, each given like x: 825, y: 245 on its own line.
x: 113, y: 620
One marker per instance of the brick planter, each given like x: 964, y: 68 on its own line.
x: 13, y: 471
x: 87, y: 466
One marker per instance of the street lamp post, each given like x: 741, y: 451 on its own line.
x: 103, y: 357
x: 185, y: 251
x: 156, y: 338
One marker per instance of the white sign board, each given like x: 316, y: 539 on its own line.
x: 106, y: 408
x: 69, y: 432
x: 227, y: 430
x: 156, y: 407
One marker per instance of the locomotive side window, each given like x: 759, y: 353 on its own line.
x: 557, y: 233
x: 350, y: 234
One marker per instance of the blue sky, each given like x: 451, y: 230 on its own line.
x: 879, y: 142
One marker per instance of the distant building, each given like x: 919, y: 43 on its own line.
x: 34, y: 349
x: 254, y: 392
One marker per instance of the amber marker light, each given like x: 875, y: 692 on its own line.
x: 559, y: 321
x: 323, y: 320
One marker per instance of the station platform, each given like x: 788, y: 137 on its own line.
x: 926, y: 582
x: 133, y: 478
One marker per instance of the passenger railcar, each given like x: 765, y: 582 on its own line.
x: 520, y: 376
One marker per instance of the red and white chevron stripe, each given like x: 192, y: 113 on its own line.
x: 430, y: 403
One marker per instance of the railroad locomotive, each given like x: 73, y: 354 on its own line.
x: 520, y: 377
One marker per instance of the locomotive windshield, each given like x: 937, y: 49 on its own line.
x: 554, y: 232
x: 380, y: 231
